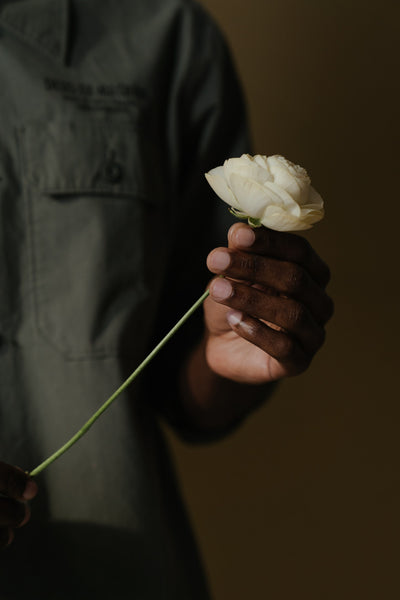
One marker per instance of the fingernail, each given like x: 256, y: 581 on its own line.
x: 219, y: 260
x: 234, y: 317
x: 221, y: 289
x: 30, y: 491
x: 245, y: 237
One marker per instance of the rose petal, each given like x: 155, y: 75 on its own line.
x: 311, y: 216
x: 314, y: 199
x: 296, y: 183
x: 217, y: 181
x: 262, y: 161
x: 251, y: 196
x: 270, y: 190
x: 295, y: 170
x: 279, y: 219
x: 282, y: 198
x: 246, y: 168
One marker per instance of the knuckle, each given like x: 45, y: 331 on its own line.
x: 250, y: 265
x: 252, y: 300
x: 297, y: 315
x: 295, y: 279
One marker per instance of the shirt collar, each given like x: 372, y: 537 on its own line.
x: 43, y: 24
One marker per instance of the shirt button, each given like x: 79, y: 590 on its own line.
x: 114, y: 172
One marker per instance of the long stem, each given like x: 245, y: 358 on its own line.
x: 111, y: 399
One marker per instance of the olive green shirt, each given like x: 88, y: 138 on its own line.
x: 110, y: 113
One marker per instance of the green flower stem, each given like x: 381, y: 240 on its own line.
x: 127, y: 382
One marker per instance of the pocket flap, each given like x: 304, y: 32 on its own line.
x: 85, y: 154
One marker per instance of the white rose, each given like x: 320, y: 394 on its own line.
x: 272, y: 191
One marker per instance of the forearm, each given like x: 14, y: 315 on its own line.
x: 214, y: 403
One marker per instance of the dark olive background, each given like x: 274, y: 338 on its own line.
x: 303, y: 501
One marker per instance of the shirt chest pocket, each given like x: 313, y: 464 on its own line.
x: 89, y: 202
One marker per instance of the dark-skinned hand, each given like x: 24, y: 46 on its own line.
x: 266, y: 317
x: 16, y: 489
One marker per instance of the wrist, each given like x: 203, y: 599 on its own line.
x: 212, y: 402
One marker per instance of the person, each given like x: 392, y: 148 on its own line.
x: 110, y: 115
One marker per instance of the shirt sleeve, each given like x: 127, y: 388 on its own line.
x: 212, y: 126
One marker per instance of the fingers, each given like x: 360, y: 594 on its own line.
x: 282, y: 246
x: 275, y: 284
x: 16, y: 484
x: 280, y: 261
x: 16, y: 488
x: 287, y: 278
x: 284, y: 313
x: 275, y: 343
x: 12, y: 513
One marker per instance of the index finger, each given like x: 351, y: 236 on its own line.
x: 280, y: 245
x: 16, y: 484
